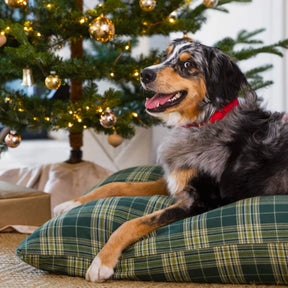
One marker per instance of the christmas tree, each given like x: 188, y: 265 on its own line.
x: 101, y: 41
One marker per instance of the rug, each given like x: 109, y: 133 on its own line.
x: 15, y: 273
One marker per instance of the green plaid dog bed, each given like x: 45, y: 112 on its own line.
x: 243, y: 242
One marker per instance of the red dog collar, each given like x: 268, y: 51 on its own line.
x: 218, y: 115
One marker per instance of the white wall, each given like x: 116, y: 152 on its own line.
x: 269, y: 14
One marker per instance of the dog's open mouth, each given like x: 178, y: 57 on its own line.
x: 160, y: 102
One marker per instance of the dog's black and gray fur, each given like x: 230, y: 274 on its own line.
x: 243, y: 155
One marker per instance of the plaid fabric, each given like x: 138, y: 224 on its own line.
x: 134, y: 174
x: 242, y: 242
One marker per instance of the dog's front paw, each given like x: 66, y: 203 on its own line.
x: 65, y: 206
x: 97, y: 272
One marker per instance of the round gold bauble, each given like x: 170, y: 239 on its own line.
x: 210, y: 3
x: 16, y: 3
x: 147, y: 5
x: 3, y: 40
x: 115, y: 139
x: 12, y: 139
x: 101, y: 29
x: 108, y: 119
x: 52, y: 81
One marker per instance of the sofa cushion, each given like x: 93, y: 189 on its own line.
x: 243, y: 242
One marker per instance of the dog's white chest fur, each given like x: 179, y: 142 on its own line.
x: 171, y: 119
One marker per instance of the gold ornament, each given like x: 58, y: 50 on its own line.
x: 16, y: 3
x: 147, y: 5
x: 12, y: 139
x: 27, y: 77
x: 101, y: 29
x: 115, y: 139
x: 3, y: 40
x: 108, y: 119
x: 210, y: 3
x: 52, y: 81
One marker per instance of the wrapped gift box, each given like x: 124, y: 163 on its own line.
x: 22, y: 206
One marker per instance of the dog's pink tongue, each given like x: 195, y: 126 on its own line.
x: 157, y: 100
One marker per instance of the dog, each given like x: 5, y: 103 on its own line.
x: 223, y: 147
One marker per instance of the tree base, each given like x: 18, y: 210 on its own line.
x: 75, y: 157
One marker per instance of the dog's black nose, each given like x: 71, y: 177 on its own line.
x: 147, y: 75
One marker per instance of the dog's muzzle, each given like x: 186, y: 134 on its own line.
x: 160, y: 101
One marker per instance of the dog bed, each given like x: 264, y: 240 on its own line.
x: 243, y: 242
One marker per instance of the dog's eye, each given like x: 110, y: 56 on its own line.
x: 187, y: 64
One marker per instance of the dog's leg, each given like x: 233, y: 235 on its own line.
x: 131, y: 231
x: 116, y: 189
x: 128, y: 233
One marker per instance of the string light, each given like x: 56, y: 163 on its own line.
x: 28, y: 26
x: 172, y: 17
x: 83, y: 20
x: 47, y: 119
x: 49, y: 6
x: 136, y: 74
x: 70, y: 124
x: 171, y: 20
x: 134, y: 114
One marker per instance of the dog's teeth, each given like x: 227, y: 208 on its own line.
x: 158, y: 104
x: 175, y: 97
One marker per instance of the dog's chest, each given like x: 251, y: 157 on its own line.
x: 187, y: 148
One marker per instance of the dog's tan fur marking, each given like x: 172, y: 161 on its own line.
x: 117, y: 189
x: 184, y: 56
x: 129, y: 232
x: 189, y: 108
x: 168, y: 50
x: 180, y: 178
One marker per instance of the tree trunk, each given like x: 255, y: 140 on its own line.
x: 76, y: 138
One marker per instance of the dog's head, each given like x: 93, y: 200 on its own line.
x: 191, y: 82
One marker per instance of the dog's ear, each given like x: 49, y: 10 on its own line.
x: 224, y: 78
